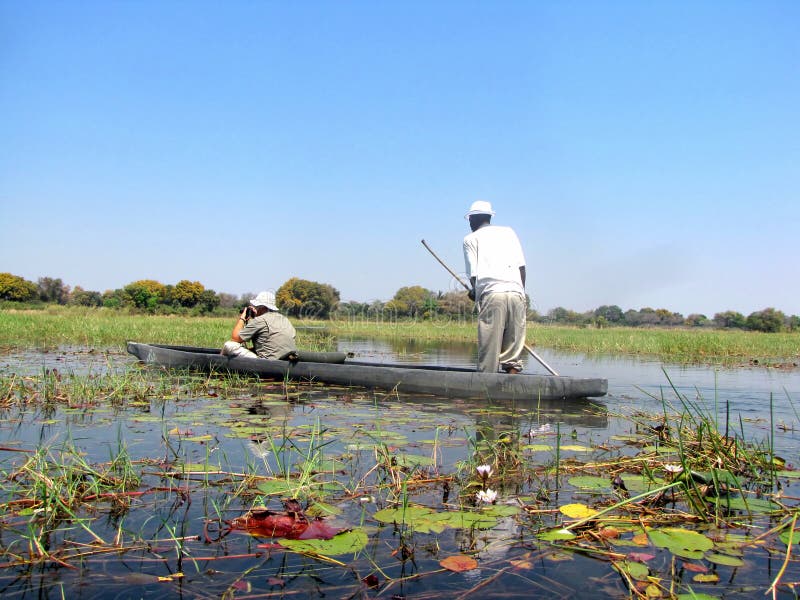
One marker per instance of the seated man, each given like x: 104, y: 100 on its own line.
x: 271, y: 333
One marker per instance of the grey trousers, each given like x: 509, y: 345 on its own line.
x: 501, y: 331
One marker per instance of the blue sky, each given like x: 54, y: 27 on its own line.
x: 647, y: 153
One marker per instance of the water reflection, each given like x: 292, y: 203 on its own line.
x: 756, y: 400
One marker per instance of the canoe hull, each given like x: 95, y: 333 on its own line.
x: 440, y: 381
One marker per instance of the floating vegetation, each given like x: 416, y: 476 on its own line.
x: 148, y: 482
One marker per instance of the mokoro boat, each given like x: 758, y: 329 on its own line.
x: 335, y: 368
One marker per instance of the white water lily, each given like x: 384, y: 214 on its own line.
x: 260, y: 449
x: 675, y: 469
x: 541, y: 430
x: 484, y: 471
x: 487, y: 496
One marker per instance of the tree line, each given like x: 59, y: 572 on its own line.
x: 311, y: 299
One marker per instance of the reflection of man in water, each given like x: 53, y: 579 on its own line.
x: 497, y: 440
x: 497, y: 444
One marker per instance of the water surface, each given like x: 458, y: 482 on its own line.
x: 198, y: 445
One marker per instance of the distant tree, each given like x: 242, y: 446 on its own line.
x: 696, y: 320
x: 17, y: 289
x: 81, y: 297
x: 228, y: 300
x: 730, y: 319
x: 52, y: 290
x: 303, y: 298
x: 669, y: 318
x: 208, y: 301
x: 633, y: 317
x: 768, y: 320
x: 430, y: 307
x: 793, y: 323
x: 455, y: 303
x: 376, y: 308
x: 114, y: 298
x: 612, y: 314
x: 410, y: 301
x: 351, y: 309
x: 534, y: 316
x: 648, y: 317
x: 145, y: 294
x: 187, y: 293
x: 564, y: 316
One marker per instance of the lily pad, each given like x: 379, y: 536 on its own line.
x: 414, y: 460
x: 537, y: 447
x: 590, y: 482
x: 275, y: 487
x: 788, y: 535
x: 577, y: 511
x: 752, y: 505
x: 636, y: 570
x: 347, y: 542
x: 502, y: 510
x: 426, y: 520
x: 555, y: 535
x: 681, y: 542
x: 575, y: 448
x: 724, y: 559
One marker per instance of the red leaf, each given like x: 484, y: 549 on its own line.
x: 640, y: 557
x: 459, y: 563
x: 371, y: 581
x: 695, y: 568
x: 280, y: 525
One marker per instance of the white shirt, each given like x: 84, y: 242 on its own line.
x: 493, y: 255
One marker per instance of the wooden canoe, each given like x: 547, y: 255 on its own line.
x: 334, y: 368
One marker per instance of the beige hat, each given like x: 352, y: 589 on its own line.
x: 480, y: 207
x: 265, y: 299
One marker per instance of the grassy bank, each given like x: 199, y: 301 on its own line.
x: 683, y: 345
x: 61, y: 326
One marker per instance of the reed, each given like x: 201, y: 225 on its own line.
x: 104, y: 328
x: 63, y: 492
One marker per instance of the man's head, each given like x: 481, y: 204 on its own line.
x: 480, y: 213
x: 263, y: 302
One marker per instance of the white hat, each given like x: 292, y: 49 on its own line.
x: 265, y: 299
x: 480, y: 207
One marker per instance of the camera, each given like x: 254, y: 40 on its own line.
x: 249, y: 312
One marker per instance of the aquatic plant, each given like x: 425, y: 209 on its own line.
x: 405, y: 489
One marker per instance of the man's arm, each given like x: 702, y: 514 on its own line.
x: 238, y: 327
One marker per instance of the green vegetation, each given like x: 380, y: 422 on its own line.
x: 305, y: 299
x: 308, y: 299
x: 673, y: 505
x: 106, y: 328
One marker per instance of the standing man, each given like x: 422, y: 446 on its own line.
x: 495, y: 266
x: 271, y: 333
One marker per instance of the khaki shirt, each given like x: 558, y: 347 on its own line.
x: 272, y: 334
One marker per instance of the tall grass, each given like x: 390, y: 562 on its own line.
x: 689, y: 345
x: 69, y: 326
